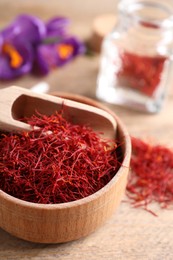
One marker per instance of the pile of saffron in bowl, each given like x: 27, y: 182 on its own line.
x: 56, y: 163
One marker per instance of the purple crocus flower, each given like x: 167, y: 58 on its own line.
x: 57, y: 48
x: 16, y: 46
x: 50, y: 56
x: 27, y: 27
x: 28, y: 44
x: 15, y: 59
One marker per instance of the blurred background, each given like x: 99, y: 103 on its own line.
x: 82, y: 15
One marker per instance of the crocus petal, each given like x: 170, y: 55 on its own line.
x: 1, y: 41
x: 27, y: 27
x: 45, y: 59
x: 57, y: 26
x: 9, y: 72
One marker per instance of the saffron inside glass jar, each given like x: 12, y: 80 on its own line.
x: 136, y: 56
x: 141, y: 73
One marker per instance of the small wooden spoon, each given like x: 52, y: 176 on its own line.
x: 17, y: 103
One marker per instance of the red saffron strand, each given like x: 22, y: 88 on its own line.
x: 151, y: 177
x: 59, y: 162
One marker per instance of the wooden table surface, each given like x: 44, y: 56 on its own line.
x: 130, y: 233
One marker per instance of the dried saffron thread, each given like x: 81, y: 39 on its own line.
x: 59, y: 162
x: 151, y: 178
x: 141, y: 72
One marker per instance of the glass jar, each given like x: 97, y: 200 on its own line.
x: 137, y: 55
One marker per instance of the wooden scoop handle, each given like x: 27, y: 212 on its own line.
x: 17, y: 103
x: 7, y: 122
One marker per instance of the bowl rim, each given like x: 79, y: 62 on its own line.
x: 97, y: 194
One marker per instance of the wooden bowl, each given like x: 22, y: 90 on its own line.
x: 56, y: 223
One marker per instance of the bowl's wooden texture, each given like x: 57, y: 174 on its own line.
x: 69, y: 221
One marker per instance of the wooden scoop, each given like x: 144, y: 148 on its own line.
x: 17, y: 103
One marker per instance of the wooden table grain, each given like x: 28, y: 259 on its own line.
x: 130, y: 233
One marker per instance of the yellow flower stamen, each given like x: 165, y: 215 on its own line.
x: 15, y: 57
x: 64, y: 50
